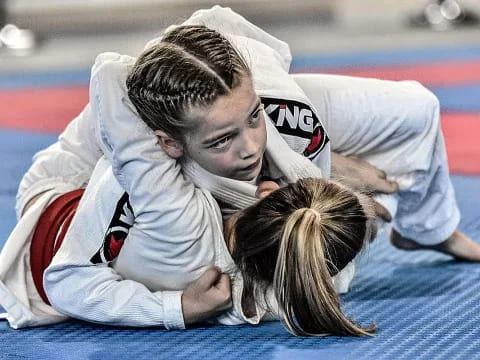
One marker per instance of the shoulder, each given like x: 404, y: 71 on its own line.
x: 298, y: 124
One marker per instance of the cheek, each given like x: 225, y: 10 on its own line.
x: 218, y: 164
x: 224, y: 163
x: 262, y: 136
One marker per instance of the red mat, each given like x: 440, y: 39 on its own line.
x: 462, y: 132
x: 432, y: 74
x: 41, y: 110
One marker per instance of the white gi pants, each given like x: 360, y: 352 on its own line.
x: 396, y: 127
x: 64, y: 166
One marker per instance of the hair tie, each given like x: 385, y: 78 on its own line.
x: 317, y: 214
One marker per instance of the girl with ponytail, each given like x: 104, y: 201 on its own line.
x: 295, y: 240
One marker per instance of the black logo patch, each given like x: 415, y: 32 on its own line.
x: 297, y: 119
x: 116, y: 233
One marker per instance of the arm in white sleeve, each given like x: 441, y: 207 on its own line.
x: 159, y: 193
x: 170, y: 214
x: 81, y: 289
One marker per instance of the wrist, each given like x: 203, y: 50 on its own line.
x: 172, y: 309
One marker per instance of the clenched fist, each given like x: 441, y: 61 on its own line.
x: 207, y: 296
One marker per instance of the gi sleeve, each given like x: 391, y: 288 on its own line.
x: 159, y: 193
x: 82, y: 287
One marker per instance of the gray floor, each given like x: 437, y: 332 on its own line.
x: 309, y: 27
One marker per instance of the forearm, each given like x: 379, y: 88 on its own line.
x: 96, y: 293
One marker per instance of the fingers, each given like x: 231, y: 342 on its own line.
x: 209, y: 295
x: 265, y: 188
x: 217, y: 289
x: 385, y: 186
x: 380, y: 184
x: 208, y: 279
x: 214, y: 279
x: 373, y: 231
x: 223, y: 283
x: 382, y: 212
x: 361, y: 175
x: 382, y: 174
x: 224, y: 291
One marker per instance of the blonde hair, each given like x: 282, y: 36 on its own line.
x: 296, y: 239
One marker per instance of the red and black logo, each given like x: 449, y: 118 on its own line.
x: 297, y: 119
x: 317, y: 142
x: 117, y: 232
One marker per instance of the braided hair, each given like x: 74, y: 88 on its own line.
x: 191, y: 66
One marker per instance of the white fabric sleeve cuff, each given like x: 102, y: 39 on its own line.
x: 172, y: 309
x: 341, y: 281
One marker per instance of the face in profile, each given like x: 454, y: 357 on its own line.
x: 229, y: 137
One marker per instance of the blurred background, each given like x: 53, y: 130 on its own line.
x: 69, y: 34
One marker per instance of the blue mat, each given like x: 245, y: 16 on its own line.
x: 459, y: 98
x: 418, y: 55
x: 424, y: 304
x: 16, y: 151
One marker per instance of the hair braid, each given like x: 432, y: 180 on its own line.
x: 191, y: 66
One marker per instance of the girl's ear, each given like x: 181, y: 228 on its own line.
x: 172, y: 147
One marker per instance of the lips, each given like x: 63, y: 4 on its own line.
x: 253, y: 166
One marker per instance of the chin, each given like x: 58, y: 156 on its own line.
x: 251, y: 176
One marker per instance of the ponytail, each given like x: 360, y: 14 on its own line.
x: 303, y: 284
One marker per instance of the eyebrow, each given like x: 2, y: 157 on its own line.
x: 218, y: 137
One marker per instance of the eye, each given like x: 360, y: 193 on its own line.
x: 221, y: 143
x: 257, y: 115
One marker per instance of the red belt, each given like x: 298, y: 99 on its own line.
x: 49, y: 233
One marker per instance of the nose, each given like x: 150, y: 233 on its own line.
x: 249, y: 146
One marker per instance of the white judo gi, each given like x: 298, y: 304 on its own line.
x: 394, y: 125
